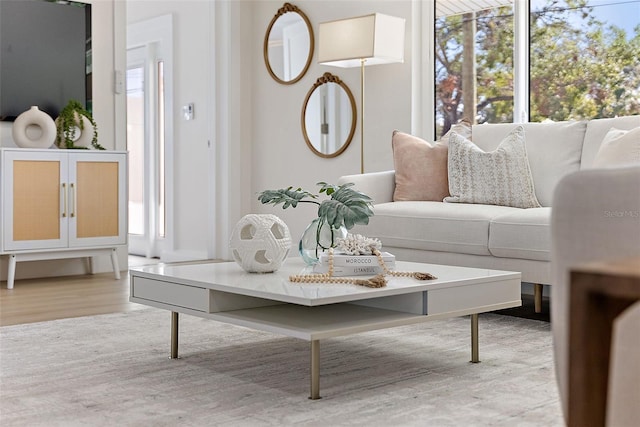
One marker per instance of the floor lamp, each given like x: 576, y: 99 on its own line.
x: 358, y: 42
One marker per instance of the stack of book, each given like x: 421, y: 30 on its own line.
x: 354, y: 265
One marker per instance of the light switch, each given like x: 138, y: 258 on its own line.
x: 187, y: 111
x: 118, y: 82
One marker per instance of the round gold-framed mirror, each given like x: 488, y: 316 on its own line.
x: 328, y: 116
x: 288, y: 45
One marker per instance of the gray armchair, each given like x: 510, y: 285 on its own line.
x: 596, y: 217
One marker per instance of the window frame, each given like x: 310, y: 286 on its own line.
x: 423, y: 42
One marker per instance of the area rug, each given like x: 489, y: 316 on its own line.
x: 114, y: 370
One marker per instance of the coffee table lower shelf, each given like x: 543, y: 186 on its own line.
x: 321, y: 322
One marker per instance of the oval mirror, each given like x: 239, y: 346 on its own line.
x: 288, y: 45
x: 328, y: 116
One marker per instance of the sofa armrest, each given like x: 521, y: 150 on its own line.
x: 595, y: 217
x: 377, y: 185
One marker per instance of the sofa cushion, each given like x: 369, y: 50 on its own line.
x: 499, y: 177
x: 554, y: 149
x: 463, y: 127
x: 524, y: 233
x: 597, y: 130
x: 619, y: 148
x: 421, y: 167
x: 436, y: 226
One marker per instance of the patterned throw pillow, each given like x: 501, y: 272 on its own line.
x: 421, y: 167
x: 500, y: 177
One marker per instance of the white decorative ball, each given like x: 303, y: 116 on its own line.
x: 260, y: 243
x: 34, y: 129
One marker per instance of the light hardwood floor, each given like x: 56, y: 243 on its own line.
x: 39, y: 300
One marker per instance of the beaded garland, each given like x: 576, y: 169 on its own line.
x: 377, y: 281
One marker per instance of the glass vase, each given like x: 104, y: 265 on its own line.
x: 317, y: 238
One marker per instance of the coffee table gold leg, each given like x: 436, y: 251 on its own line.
x: 174, y: 335
x: 475, y: 348
x: 315, y: 370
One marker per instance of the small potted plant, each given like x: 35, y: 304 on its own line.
x: 75, y: 118
x: 344, y: 208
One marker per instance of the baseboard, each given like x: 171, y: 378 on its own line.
x: 183, y: 256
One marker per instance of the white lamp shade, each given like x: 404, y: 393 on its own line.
x: 377, y: 38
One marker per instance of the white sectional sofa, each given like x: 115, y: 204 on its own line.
x: 488, y: 236
x: 596, y: 218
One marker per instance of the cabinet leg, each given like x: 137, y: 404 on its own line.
x: 114, y: 263
x: 90, y: 263
x: 11, y: 273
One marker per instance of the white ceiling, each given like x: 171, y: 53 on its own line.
x: 456, y: 7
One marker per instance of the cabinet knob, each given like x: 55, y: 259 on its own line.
x: 73, y: 200
x: 64, y: 198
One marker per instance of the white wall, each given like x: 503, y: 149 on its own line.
x: 212, y: 151
x: 191, y: 84
x: 280, y: 155
x: 253, y: 122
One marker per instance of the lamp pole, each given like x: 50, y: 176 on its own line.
x: 362, y: 61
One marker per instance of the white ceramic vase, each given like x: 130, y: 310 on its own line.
x: 81, y: 137
x: 260, y: 243
x: 34, y: 129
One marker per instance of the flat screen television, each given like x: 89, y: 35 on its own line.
x: 45, y: 56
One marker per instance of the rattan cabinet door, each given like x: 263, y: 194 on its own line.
x: 98, y: 199
x: 35, y: 192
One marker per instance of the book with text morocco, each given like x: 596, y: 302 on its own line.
x: 357, y: 260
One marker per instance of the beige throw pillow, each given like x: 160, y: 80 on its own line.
x: 500, y: 177
x: 421, y: 167
x: 619, y: 148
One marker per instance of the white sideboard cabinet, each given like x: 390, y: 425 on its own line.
x: 62, y: 204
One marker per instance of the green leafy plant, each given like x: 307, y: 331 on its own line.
x: 345, y: 206
x: 69, y: 119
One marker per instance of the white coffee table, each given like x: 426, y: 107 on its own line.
x: 270, y: 302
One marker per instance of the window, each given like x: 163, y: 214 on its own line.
x: 580, y: 62
x: 135, y: 133
x: 474, y: 66
x: 584, y: 59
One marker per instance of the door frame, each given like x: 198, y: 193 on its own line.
x: 156, y: 35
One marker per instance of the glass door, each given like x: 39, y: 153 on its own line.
x: 146, y: 145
